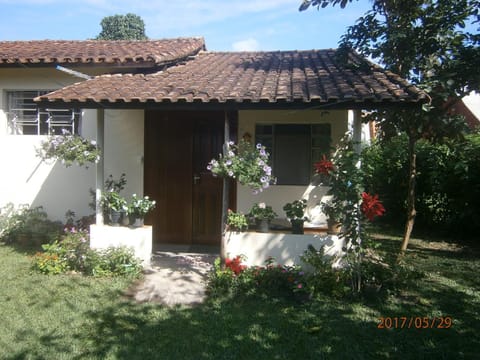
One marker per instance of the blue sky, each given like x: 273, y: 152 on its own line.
x: 226, y: 25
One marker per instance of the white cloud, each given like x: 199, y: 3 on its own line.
x: 246, y: 45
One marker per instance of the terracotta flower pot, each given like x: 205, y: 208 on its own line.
x: 333, y: 227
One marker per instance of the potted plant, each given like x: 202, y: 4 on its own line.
x: 138, y: 208
x: 116, y: 206
x: 262, y: 214
x: 334, y: 215
x: 296, y: 214
x: 236, y: 221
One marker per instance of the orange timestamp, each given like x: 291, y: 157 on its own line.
x: 415, y: 322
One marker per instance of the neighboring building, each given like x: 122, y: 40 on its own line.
x: 166, y: 104
x: 469, y: 107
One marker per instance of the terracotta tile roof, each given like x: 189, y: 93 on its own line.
x: 98, y: 51
x: 250, y: 77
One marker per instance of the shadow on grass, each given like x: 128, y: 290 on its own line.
x: 248, y: 329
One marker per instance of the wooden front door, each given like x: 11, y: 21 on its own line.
x: 178, y: 147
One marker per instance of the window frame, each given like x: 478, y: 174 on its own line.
x: 319, y: 143
x: 23, y: 115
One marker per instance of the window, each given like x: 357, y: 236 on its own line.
x: 294, y: 148
x: 26, y: 118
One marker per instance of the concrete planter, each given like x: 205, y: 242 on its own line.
x: 285, y: 248
x: 138, y: 239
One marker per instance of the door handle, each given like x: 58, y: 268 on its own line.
x: 196, y: 178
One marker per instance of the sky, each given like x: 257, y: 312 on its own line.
x: 226, y: 25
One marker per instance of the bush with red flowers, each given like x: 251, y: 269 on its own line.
x: 235, y: 265
x: 350, y: 204
x: 371, y: 206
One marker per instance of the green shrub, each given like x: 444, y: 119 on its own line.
x: 113, y: 261
x: 271, y: 280
x: 322, y: 277
x: 27, y: 226
x: 447, y: 186
x: 73, y: 254
x: 49, y: 263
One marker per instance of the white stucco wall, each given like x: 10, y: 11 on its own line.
x: 27, y: 180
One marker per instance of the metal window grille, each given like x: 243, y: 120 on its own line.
x: 26, y: 118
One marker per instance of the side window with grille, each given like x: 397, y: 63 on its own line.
x: 26, y: 118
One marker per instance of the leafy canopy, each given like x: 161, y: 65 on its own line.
x: 122, y: 27
x: 432, y: 44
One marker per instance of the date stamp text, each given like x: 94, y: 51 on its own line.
x: 415, y: 322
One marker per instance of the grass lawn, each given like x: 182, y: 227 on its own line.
x: 74, y: 317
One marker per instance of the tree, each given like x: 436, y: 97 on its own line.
x: 122, y: 27
x: 428, y: 43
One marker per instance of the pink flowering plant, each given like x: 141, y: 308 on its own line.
x: 69, y: 149
x: 247, y: 164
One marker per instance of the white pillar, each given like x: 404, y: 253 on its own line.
x: 355, y: 127
x: 226, y: 189
x: 100, y: 165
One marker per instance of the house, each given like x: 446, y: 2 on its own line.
x: 469, y: 107
x: 162, y: 110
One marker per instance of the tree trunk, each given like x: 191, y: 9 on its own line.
x: 411, y: 212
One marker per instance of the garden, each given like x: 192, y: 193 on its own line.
x: 60, y: 299
x: 72, y: 316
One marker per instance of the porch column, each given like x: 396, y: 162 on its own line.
x: 100, y: 166
x: 226, y: 190
x: 355, y: 127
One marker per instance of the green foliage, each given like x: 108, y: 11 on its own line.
x: 296, y: 210
x: 140, y: 206
x: 322, y: 277
x: 112, y: 200
x: 49, y: 263
x: 236, y: 221
x: 247, y: 164
x: 122, y: 27
x: 72, y: 253
x: 269, y: 281
x: 426, y: 42
x: 113, y: 261
x: 27, y: 226
x: 262, y: 211
x: 447, y: 182
x: 69, y: 149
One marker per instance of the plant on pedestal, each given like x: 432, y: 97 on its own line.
x: 236, y: 221
x: 138, y: 208
x: 262, y: 214
x: 116, y: 206
x: 296, y: 214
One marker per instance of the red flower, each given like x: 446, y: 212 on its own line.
x: 235, y: 265
x: 323, y: 166
x: 371, y: 206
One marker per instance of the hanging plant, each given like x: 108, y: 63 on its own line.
x: 245, y: 163
x: 69, y: 149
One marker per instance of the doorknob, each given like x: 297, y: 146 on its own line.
x: 196, y: 178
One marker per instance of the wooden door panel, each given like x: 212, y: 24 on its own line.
x: 168, y: 177
x: 207, y: 190
x: 178, y: 147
